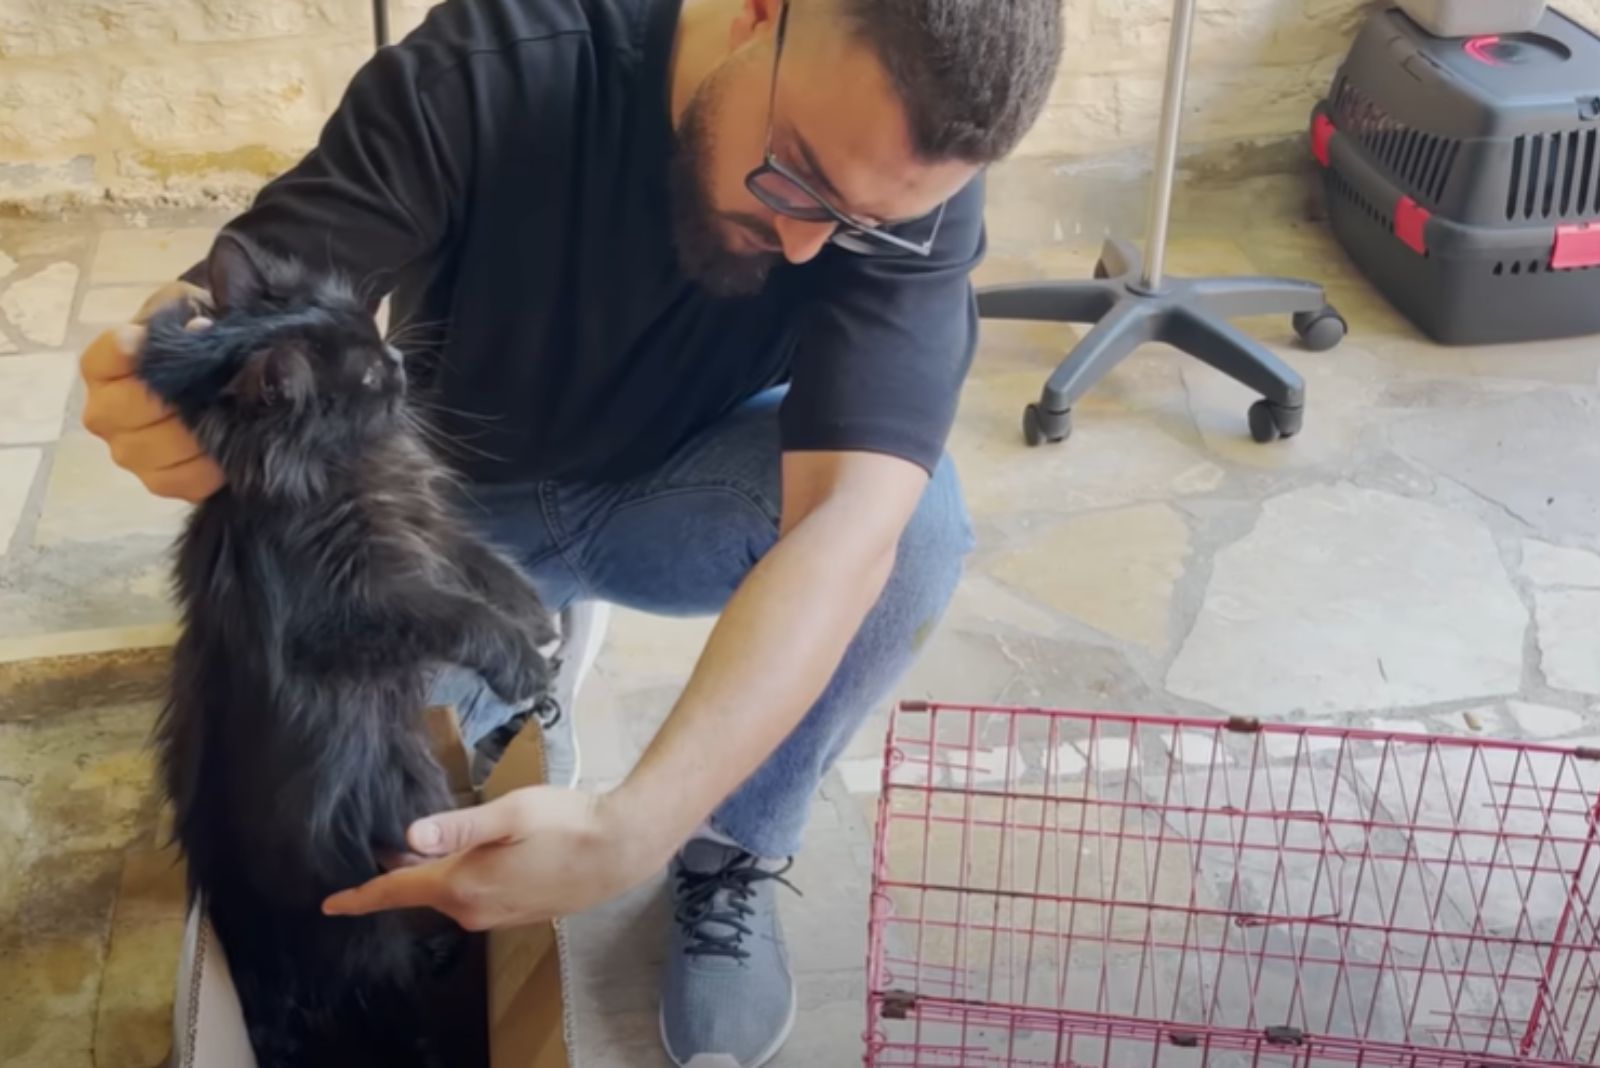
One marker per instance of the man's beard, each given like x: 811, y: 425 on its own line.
x: 702, y: 250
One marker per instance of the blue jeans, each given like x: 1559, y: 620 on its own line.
x: 678, y: 542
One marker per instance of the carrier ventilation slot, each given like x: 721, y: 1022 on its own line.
x: 1421, y: 162
x: 1371, y: 210
x: 1554, y: 175
x: 1504, y: 267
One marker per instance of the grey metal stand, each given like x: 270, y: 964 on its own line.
x: 1132, y: 302
x: 380, y: 22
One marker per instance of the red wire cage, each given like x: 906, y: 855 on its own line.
x: 1070, y: 889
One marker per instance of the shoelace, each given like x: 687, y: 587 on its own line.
x: 721, y: 899
x: 547, y: 711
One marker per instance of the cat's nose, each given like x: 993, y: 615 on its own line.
x: 394, y: 355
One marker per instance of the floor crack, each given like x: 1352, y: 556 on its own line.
x: 1499, y: 506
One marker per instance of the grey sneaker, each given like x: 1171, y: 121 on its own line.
x: 727, y: 996
x: 583, y: 632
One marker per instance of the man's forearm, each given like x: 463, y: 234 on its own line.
x: 779, y: 641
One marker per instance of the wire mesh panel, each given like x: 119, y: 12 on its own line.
x: 1063, y: 889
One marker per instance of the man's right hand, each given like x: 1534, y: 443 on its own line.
x: 144, y: 435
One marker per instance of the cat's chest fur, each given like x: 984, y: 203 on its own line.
x: 288, y: 567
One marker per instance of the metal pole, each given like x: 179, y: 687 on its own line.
x: 1166, y: 169
x: 380, y: 22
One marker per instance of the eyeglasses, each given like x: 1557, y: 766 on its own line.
x: 784, y: 191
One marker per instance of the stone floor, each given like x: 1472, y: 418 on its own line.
x: 1425, y: 556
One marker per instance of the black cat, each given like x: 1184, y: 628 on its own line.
x: 318, y: 589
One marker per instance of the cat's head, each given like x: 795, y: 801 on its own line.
x: 290, y: 378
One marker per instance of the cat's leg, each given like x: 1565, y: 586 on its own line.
x: 498, y: 647
x: 442, y: 626
x: 489, y: 573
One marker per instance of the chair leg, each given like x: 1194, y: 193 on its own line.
x: 1053, y: 302
x: 1125, y: 327
x: 1237, y: 355
x: 1231, y: 298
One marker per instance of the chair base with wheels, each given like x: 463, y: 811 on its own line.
x: 1190, y: 314
x: 1132, y: 301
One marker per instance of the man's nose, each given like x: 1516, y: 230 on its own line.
x: 801, y: 240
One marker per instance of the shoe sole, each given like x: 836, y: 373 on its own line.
x: 593, y: 638
x: 727, y: 1060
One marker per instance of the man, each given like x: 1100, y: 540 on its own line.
x: 687, y: 283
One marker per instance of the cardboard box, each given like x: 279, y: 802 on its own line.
x: 530, y: 1025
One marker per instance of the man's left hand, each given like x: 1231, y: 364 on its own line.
x: 532, y: 855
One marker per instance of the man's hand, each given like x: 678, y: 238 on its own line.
x: 145, y: 436
x: 532, y: 855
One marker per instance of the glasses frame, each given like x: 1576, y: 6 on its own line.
x: 852, y: 234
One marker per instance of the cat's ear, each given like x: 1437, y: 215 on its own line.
x: 236, y: 272
x: 281, y: 377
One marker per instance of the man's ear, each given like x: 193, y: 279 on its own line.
x: 754, y: 15
x: 280, y: 377
x: 235, y: 268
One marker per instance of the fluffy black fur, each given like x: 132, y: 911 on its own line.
x: 318, y: 589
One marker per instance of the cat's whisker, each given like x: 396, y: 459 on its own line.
x: 428, y: 404
x: 411, y: 326
x: 453, y: 445
x: 419, y: 334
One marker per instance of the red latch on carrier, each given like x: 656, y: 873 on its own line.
x: 1576, y: 246
x: 1322, y: 130
x: 1411, y: 224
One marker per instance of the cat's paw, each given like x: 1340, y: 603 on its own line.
x: 522, y: 679
x: 540, y: 630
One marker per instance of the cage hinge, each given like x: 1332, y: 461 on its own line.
x: 1285, y: 1036
x: 898, y: 1004
x: 1244, y: 724
x: 1587, y: 752
x: 914, y: 706
x: 1184, y: 1039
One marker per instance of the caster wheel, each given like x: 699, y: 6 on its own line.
x: 1040, y: 426
x: 1269, y: 422
x: 1263, y: 428
x: 1321, y: 330
x: 1100, y: 271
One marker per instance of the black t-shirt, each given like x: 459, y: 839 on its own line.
x: 502, y: 174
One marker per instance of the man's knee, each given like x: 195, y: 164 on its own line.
x: 681, y: 551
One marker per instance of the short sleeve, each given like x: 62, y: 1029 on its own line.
x: 378, y: 190
x: 885, y: 344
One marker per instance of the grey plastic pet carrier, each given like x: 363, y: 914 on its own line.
x: 1463, y: 175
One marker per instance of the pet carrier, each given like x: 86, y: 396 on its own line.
x: 1463, y: 176
x: 1058, y: 889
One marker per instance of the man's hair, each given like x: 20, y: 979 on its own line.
x: 973, y: 74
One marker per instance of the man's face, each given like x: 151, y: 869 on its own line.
x: 836, y: 122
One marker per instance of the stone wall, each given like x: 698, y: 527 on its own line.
x: 1256, y: 69
x: 136, y: 96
